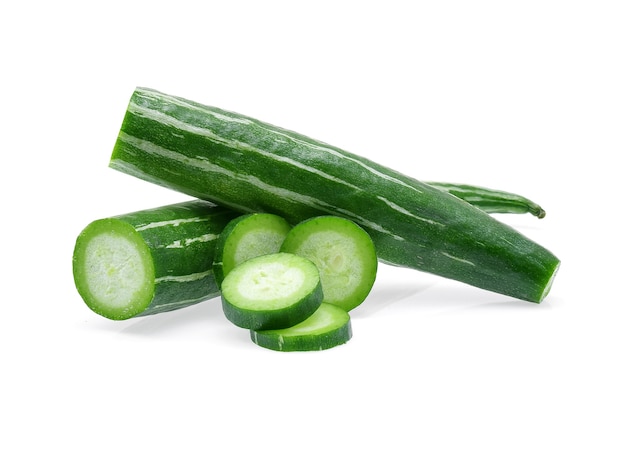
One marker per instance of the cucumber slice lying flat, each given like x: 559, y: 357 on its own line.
x: 344, y: 254
x: 328, y: 327
x: 271, y: 291
x: 245, y: 237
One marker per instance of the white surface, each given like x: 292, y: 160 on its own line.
x: 522, y: 96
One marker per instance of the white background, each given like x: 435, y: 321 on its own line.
x: 525, y: 96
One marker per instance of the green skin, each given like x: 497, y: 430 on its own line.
x: 162, y: 261
x: 251, y: 166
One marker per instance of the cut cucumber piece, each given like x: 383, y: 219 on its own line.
x: 245, y: 237
x: 327, y: 327
x: 344, y: 254
x: 271, y: 291
x: 150, y: 261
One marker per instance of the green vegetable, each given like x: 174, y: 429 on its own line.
x: 245, y: 237
x: 272, y: 230
x: 491, y: 201
x: 150, y: 261
x: 251, y: 166
x: 344, y: 254
x: 271, y: 291
x: 327, y: 327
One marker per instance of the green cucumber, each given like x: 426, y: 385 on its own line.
x: 245, y: 237
x: 149, y: 261
x: 344, y: 254
x: 242, y: 245
x: 326, y: 328
x: 271, y: 291
x: 490, y: 200
x: 251, y: 166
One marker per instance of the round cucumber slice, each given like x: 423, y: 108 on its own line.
x: 245, y: 237
x: 271, y: 291
x: 344, y: 254
x: 326, y: 328
x: 113, y: 269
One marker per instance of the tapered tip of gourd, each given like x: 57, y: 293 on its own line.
x: 113, y: 269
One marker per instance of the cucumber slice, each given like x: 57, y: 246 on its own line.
x: 327, y: 327
x: 271, y: 291
x: 245, y: 237
x: 344, y: 254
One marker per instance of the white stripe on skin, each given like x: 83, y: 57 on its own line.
x: 204, y: 165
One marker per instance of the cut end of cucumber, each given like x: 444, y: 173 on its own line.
x: 326, y: 328
x: 113, y: 269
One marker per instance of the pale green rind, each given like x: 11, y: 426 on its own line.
x: 113, y: 269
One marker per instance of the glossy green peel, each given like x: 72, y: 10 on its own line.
x: 490, y: 200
